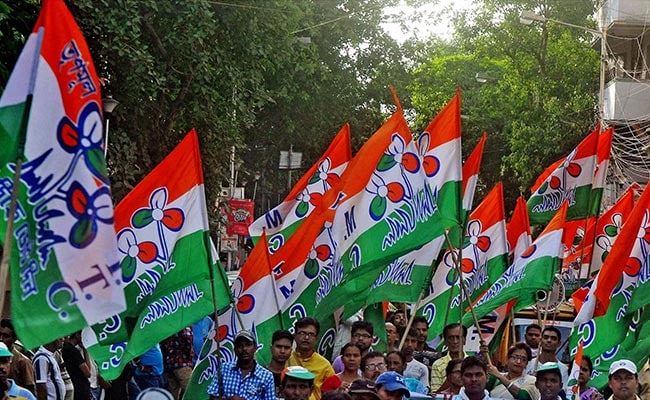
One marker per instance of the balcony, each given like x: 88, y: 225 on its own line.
x: 624, y: 17
x: 627, y: 99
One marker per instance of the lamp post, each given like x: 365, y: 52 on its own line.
x: 109, y: 104
x: 528, y: 17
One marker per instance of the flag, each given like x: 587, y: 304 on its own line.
x: 574, y: 386
x: 602, y: 164
x: 518, y: 230
x: 376, y: 315
x: 484, y: 259
x: 534, y: 270
x: 306, y: 194
x: 471, y: 168
x: 627, y: 259
x: 64, y: 263
x: 570, y: 180
x: 167, y: 258
x: 578, y: 243
x: 205, y: 369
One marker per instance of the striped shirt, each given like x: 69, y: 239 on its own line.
x: 257, y: 385
x: 18, y: 393
x: 46, y: 371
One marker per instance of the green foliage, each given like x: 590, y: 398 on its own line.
x: 17, y: 19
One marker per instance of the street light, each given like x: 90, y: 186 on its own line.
x: 109, y: 104
x: 528, y: 17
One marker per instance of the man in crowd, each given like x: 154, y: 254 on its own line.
x: 532, y: 337
x: 424, y: 353
x: 372, y: 365
x: 178, y: 353
x: 363, y: 389
x: 390, y: 386
x: 399, y: 319
x: 392, y: 337
x: 414, y: 369
x: 8, y: 388
x: 362, y: 334
x: 49, y: 382
x: 281, y: 344
x: 243, y: 379
x: 548, y: 346
x: 549, y: 381
x: 454, y: 336
x: 473, y: 373
x: 297, y: 383
x: 21, y: 372
x: 623, y: 380
x: 305, y: 356
x: 75, y: 356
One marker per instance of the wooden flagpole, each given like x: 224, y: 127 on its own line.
x: 9, y: 234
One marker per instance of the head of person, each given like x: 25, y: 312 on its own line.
x: 454, y: 336
x: 410, y: 341
x: 453, y: 372
x: 363, y: 389
x: 245, y: 347
x: 296, y: 383
x: 551, y: 337
x: 362, y: 334
x: 399, y: 319
x: 372, y: 365
x: 306, y: 329
x: 623, y: 379
x: 586, y: 368
x: 473, y: 372
x: 335, y: 395
x: 5, y: 364
x: 390, y: 386
x: 396, y: 361
x: 391, y: 333
x: 422, y: 328
x: 533, y: 335
x: 281, y: 343
x: 351, y: 356
x: 548, y: 380
x: 518, y: 356
x: 7, y: 333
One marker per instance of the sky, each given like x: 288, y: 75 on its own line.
x: 439, y: 27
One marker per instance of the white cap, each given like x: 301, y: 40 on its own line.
x: 622, y: 364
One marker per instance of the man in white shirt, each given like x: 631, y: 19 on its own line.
x: 49, y: 383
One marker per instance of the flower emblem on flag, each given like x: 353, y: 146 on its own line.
x: 85, y: 140
x: 171, y: 218
x: 89, y: 210
x: 396, y: 154
x: 430, y: 163
x: 611, y: 232
x: 305, y: 198
x: 323, y: 174
x: 318, y: 254
x: 146, y: 252
x: 477, y: 243
x: 245, y: 301
x: 393, y: 191
x: 636, y: 262
x: 568, y: 169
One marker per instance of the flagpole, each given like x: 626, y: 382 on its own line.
x: 9, y: 234
x: 471, y: 309
x: 273, y: 284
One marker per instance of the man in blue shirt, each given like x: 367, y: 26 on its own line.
x: 8, y: 388
x: 243, y: 379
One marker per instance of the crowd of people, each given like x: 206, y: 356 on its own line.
x: 296, y: 371
x: 64, y: 370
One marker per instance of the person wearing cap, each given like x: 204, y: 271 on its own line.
x: 549, y: 381
x: 297, y: 383
x: 21, y: 370
x: 8, y: 388
x: 473, y: 372
x: 623, y: 380
x: 243, y: 379
x: 363, y: 389
x: 305, y: 356
x: 390, y: 386
x: 551, y: 340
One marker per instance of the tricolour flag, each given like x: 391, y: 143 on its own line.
x: 484, y: 259
x: 167, y: 259
x: 534, y: 270
x: 570, y: 180
x: 627, y: 260
x: 392, y: 204
x: 602, y: 164
x: 471, y: 168
x: 64, y: 264
x: 306, y: 194
x: 518, y: 230
x: 256, y: 308
x: 574, y: 386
